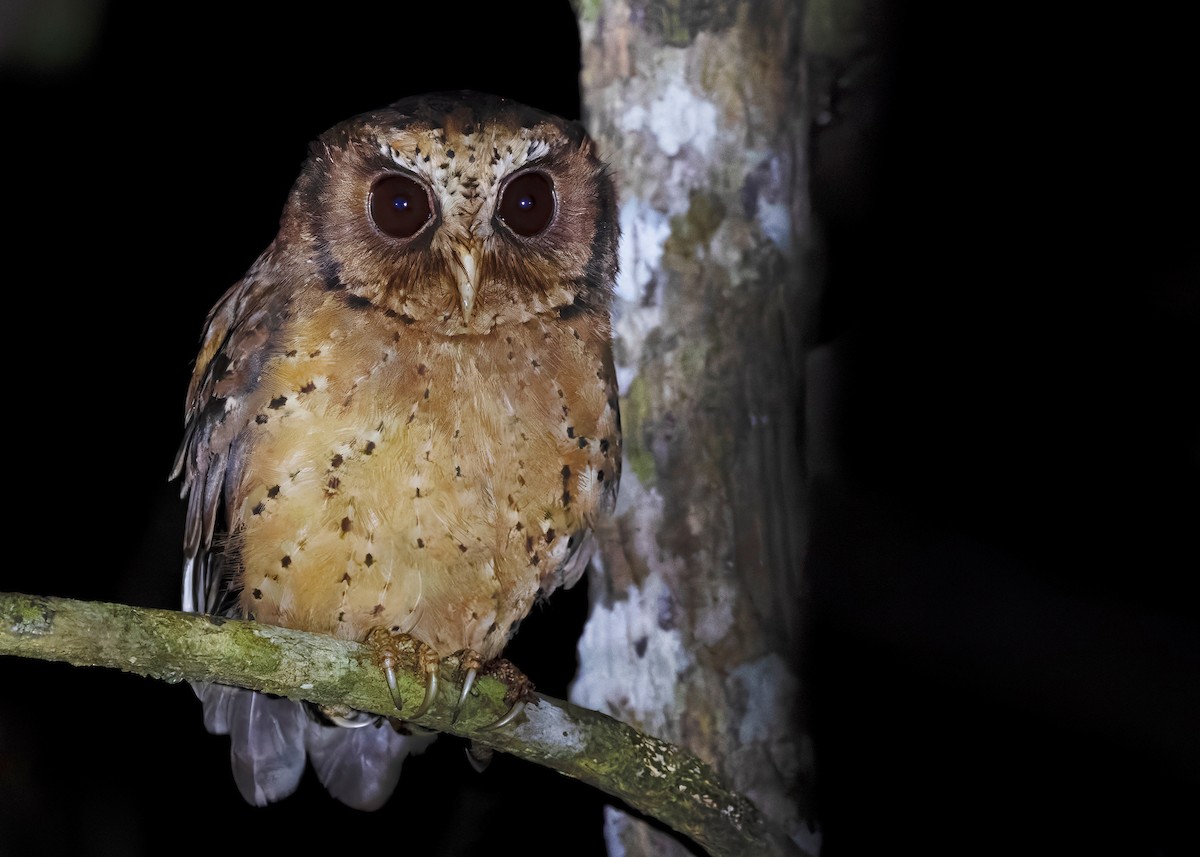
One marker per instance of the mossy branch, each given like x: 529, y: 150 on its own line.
x: 649, y: 775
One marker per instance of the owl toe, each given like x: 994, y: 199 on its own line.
x: 392, y: 650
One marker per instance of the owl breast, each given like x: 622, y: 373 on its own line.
x: 433, y: 485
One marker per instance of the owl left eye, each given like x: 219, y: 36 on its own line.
x: 527, y: 204
x: 400, y: 206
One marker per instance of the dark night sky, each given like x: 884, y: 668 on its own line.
x: 1004, y: 647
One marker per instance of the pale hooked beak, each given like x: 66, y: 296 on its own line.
x: 469, y: 259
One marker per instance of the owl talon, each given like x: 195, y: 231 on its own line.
x: 468, y: 683
x: 390, y: 649
x: 520, y: 691
x: 508, y: 718
x: 389, y: 673
x: 431, y: 689
x: 469, y: 660
x: 479, y: 757
x: 520, y: 688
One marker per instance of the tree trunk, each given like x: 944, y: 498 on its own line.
x: 695, y: 625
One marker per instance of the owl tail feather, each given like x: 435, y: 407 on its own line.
x: 360, y: 767
x: 270, y: 737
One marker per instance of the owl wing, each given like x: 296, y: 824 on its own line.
x: 266, y: 733
x: 236, y: 341
x: 581, y: 545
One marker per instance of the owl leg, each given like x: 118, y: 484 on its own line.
x: 520, y: 688
x: 393, y: 649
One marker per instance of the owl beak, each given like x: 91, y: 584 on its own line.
x: 468, y: 258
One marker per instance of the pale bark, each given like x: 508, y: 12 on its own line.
x: 696, y: 621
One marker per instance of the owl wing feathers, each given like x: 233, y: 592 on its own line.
x: 271, y: 737
x: 266, y: 734
x: 576, y: 562
x: 573, y: 565
x: 267, y: 748
x: 236, y: 334
x: 360, y: 767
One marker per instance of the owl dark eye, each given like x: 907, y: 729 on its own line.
x: 399, y: 206
x: 527, y: 204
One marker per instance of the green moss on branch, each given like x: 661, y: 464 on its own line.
x: 650, y: 775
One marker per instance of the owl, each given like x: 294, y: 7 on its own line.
x: 404, y: 416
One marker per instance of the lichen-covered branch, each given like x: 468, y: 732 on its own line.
x: 650, y: 775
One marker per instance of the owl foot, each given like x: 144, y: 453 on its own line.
x: 349, y: 718
x: 392, y: 649
x: 479, y: 756
x: 520, y: 688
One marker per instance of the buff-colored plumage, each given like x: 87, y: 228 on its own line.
x: 414, y: 433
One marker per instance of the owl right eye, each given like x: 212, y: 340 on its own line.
x: 400, y: 206
x: 527, y: 204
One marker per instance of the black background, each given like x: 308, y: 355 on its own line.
x: 1005, y: 650
x: 1003, y: 646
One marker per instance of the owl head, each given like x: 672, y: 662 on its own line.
x: 456, y: 211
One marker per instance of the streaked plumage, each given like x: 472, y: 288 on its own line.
x: 408, y: 431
